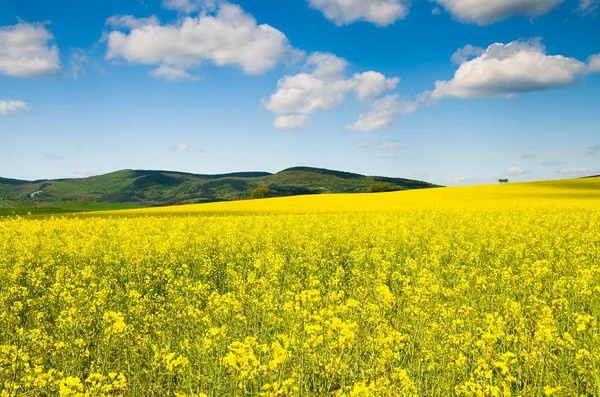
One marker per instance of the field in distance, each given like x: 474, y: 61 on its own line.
x: 474, y: 291
x: 24, y: 208
x: 570, y: 192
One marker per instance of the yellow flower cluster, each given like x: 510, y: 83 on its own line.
x: 424, y: 299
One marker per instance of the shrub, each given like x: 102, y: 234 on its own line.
x: 380, y: 187
x: 260, y: 193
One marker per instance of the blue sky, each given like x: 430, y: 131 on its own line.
x: 210, y: 86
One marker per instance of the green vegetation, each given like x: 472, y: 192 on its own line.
x: 382, y: 187
x: 22, y: 208
x: 260, y: 193
x: 131, y: 188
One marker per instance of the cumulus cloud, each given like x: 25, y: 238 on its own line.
x: 382, y: 115
x: 292, y: 122
x: 326, y: 66
x: 588, y: 7
x: 467, y: 52
x: 594, y: 63
x: 8, y: 107
x: 501, y: 70
x: 189, y: 6
x: 25, y: 51
x: 306, y: 94
x: 128, y: 22
x: 321, y: 87
x: 490, y: 11
x: 515, y: 171
x: 231, y: 37
x: 369, y: 84
x: 385, y: 111
x: 510, y: 69
x: 378, y: 12
x: 169, y: 73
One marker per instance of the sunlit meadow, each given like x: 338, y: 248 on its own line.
x: 480, y: 291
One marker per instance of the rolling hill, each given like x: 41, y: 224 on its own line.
x: 553, y: 194
x: 159, y: 188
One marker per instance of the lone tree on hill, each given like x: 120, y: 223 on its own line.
x: 260, y: 193
x: 503, y: 180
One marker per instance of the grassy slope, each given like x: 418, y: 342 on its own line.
x: 151, y: 188
x: 566, y: 193
x: 63, y: 208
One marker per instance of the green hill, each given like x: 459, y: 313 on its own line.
x: 156, y: 188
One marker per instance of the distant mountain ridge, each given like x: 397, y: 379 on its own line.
x: 155, y: 188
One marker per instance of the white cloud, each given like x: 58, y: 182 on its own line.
x: 127, y: 22
x: 515, y: 171
x: 506, y: 70
x: 8, y: 107
x: 323, y: 86
x: 386, y: 111
x: 423, y: 99
x: 392, y: 146
x: 510, y: 69
x: 363, y: 144
x: 382, y: 115
x: 169, y: 73
x: 588, y: 7
x: 578, y: 172
x: 378, y: 12
x: 436, y: 11
x: 292, y: 122
x: 467, y: 52
x: 25, y: 51
x: 326, y: 66
x: 370, y: 84
x: 305, y: 94
x: 594, y: 63
x: 182, y: 147
x: 229, y: 38
x: 76, y: 60
x: 189, y: 6
x: 485, y: 12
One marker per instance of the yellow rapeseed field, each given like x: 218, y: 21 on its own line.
x: 478, y: 291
